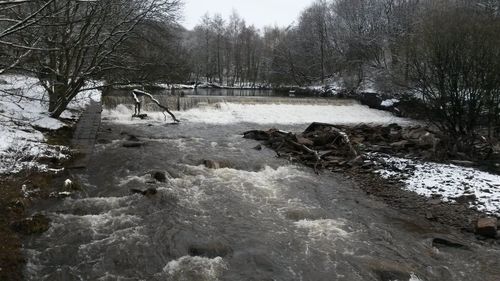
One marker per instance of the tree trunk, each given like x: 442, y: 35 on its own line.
x: 62, y: 96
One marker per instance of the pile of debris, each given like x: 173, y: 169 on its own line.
x: 387, y: 161
x: 325, y: 146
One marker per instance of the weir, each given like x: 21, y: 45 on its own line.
x: 180, y: 103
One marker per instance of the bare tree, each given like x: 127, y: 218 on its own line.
x: 77, y: 40
x: 11, y: 24
x: 227, y: 52
x: 456, y: 69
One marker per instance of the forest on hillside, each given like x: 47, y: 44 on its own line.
x: 383, y: 41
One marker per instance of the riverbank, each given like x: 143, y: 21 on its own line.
x: 34, y: 153
x: 18, y: 194
x: 395, y: 164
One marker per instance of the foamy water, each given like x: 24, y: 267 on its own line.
x: 262, y: 218
x: 232, y: 113
x: 189, y: 268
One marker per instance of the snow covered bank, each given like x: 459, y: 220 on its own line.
x: 23, y: 115
x: 449, y: 183
x: 230, y: 113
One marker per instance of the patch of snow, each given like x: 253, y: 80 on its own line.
x: 230, y: 113
x: 389, y: 103
x: 23, y: 112
x: 318, y: 88
x: 448, y: 182
x: 177, y: 86
x: 68, y: 183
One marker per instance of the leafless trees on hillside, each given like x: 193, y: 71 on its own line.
x: 447, y: 51
x: 228, y: 52
x: 456, y: 68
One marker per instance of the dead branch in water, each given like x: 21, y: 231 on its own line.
x: 137, y: 109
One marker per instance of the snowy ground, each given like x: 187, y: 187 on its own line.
x: 23, y: 115
x: 230, y: 113
x: 449, y: 183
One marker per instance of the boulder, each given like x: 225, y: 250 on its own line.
x: 104, y: 141
x: 210, y: 250
x: 323, y: 138
x: 258, y: 147
x: 317, y: 126
x: 140, y: 116
x: 257, y: 135
x: 372, y: 100
x: 465, y: 198
x: 389, y: 269
x: 133, y: 138
x: 132, y: 144
x: 442, y: 241
x: 487, y: 227
x: 34, y: 225
x: 159, y: 176
x: 148, y: 192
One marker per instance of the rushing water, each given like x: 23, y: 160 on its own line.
x: 188, y: 99
x: 260, y: 219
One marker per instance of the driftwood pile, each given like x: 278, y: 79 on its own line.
x: 325, y: 146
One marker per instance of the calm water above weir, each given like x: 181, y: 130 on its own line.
x: 211, y: 92
x: 261, y: 219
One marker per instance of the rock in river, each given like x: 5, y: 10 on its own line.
x: 34, y: 225
x: 487, y: 227
x: 132, y: 144
x: 148, y: 192
x: 159, y: 176
x: 210, y: 250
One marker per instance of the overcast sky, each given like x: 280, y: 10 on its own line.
x: 257, y: 12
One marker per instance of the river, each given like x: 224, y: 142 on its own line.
x: 261, y: 219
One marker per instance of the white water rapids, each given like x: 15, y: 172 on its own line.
x: 261, y: 219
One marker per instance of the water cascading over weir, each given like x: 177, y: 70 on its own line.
x: 180, y: 102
